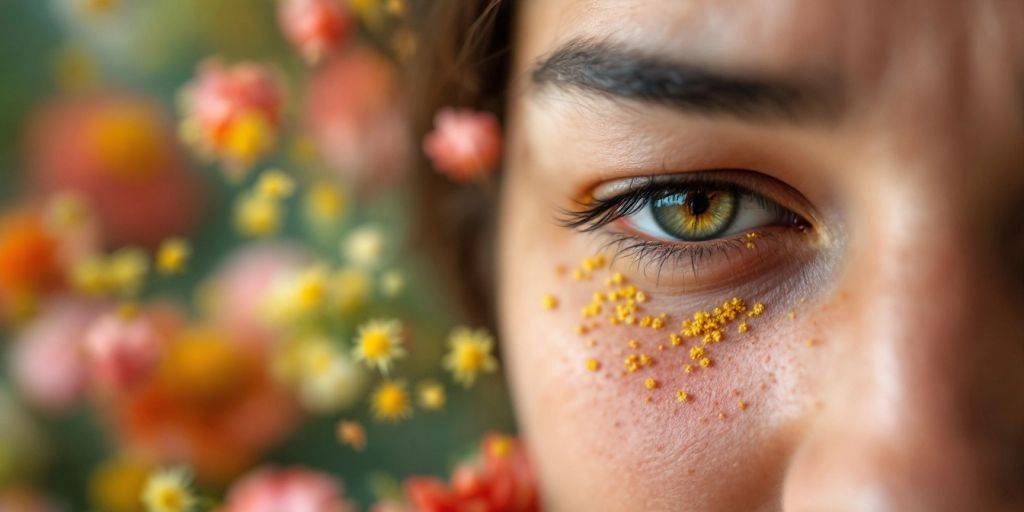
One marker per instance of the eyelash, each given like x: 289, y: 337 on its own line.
x: 595, y: 214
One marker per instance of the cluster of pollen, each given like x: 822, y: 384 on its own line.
x: 620, y: 303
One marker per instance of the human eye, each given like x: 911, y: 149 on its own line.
x: 703, y: 217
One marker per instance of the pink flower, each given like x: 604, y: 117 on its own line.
x: 464, y: 145
x: 293, y: 489
x: 242, y: 283
x: 232, y: 113
x: 123, y: 349
x: 47, y: 364
x: 315, y: 27
x: 355, y: 116
x: 119, y: 153
x: 501, y: 481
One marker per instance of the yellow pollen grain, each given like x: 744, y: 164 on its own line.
x: 792, y: 314
x: 593, y: 365
x: 697, y: 353
x: 633, y: 344
x: 688, y: 368
x: 591, y: 343
x: 549, y: 301
x: 811, y: 342
x: 742, y: 328
x: 742, y: 405
x: 645, y: 360
x: 705, y: 362
x: 675, y: 339
x: 682, y: 396
x: 650, y: 383
x: 581, y: 329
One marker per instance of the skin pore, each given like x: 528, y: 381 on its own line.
x: 874, y: 147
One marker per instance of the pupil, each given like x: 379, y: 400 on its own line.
x: 698, y: 203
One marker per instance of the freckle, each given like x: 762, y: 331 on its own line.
x: 581, y: 329
x: 792, y: 314
x: 735, y: 392
x: 721, y: 416
x: 591, y: 343
x: 561, y: 269
x: 811, y: 342
x: 661, y: 348
x: 763, y: 386
x: 648, y: 399
x: 691, y: 472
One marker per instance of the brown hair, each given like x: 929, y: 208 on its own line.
x: 462, y: 61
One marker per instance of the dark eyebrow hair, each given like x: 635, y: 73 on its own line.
x: 613, y: 70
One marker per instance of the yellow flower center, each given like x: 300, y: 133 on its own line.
x: 376, y: 344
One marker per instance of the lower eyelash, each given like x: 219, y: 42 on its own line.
x: 646, y: 253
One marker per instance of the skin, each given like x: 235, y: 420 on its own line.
x: 909, y: 277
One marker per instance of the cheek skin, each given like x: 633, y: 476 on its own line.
x: 597, y: 441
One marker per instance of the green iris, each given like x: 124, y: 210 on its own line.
x: 696, y: 213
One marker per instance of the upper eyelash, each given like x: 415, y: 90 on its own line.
x: 597, y: 213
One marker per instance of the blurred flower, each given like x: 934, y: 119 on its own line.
x: 354, y: 114
x: 324, y: 208
x: 326, y: 379
x: 470, y: 354
x: 240, y: 287
x: 119, y: 153
x: 120, y: 273
x: 364, y: 246
x: 211, y: 404
x: 232, y: 114
x: 353, y: 434
x: 294, y: 489
x: 123, y: 348
x: 392, y: 283
x: 29, y: 263
x: 378, y: 343
x: 431, y: 395
x: 465, y: 145
x: 257, y: 215
x: 47, y: 362
x: 275, y: 184
x: 501, y: 480
x: 390, y: 401
x: 173, y: 255
x: 169, y: 490
x: 315, y: 27
x: 301, y: 298
x: 117, y: 484
x: 350, y: 288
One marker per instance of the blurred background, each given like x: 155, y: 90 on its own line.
x: 204, y: 210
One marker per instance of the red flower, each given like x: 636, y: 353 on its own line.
x: 315, y: 27
x: 464, y: 145
x: 500, y: 481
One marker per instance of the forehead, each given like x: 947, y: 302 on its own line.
x: 863, y: 38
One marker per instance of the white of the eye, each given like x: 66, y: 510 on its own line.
x: 751, y: 213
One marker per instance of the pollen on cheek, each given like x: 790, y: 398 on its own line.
x: 620, y: 303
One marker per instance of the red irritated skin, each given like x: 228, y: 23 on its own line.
x: 854, y: 167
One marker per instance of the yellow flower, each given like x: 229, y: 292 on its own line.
x: 378, y: 343
x: 89, y: 276
x: 168, y: 491
x: 390, y: 401
x: 275, y: 184
x: 299, y: 297
x: 115, y: 486
x: 258, y: 215
x: 324, y: 203
x: 470, y: 354
x: 248, y: 138
x: 431, y: 395
x: 126, y: 270
x: 172, y: 255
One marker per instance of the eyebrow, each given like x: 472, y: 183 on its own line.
x: 619, y: 72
